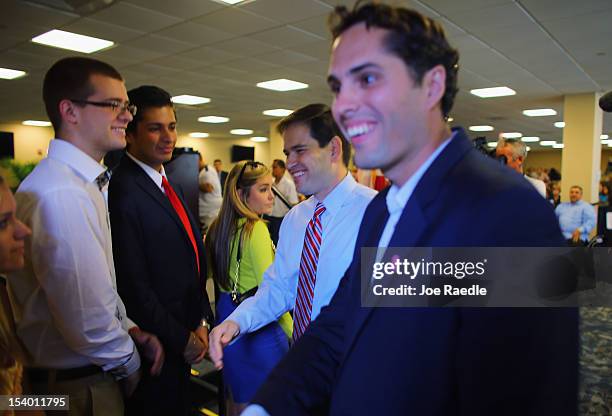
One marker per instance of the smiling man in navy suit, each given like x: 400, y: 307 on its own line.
x: 394, y: 77
x: 159, y: 256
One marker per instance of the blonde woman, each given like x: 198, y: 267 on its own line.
x: 240, y: 250
x: 12, y: 235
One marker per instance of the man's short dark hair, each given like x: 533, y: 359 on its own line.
x: 279, y: 163
x: 145, y: 97
x: 318, y: 118
x: 418, y: 40
x: 70, y: 78
x: 217, y: 160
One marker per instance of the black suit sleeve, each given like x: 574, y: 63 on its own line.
x: 301, y: 384
x: 133, y: 281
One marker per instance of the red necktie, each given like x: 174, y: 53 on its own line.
x: 180, y: 211
x: 308, y: 274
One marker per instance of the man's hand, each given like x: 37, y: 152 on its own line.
x: 128, y: 385
x: 220, y: 336
x: 202, y: 334
x: 149, y: 346
x: 576, y: 235
x: 193, y: 349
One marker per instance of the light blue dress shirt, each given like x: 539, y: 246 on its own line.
x: 579, y: 215
x: 276, y: 295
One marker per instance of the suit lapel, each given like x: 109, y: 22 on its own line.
x: 412, y: 225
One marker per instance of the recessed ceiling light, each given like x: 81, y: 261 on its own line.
x: 604, y: 137
x: 6, y: 73
x: 282, y: 85
x: 36, y: 123
x: 492, y: 144
x: 241, y: 132
x: 231, y: 1
x: 540, y: 112
x: 190, y: 99
x: 492, y: 92
x: 72, y: 41
x: 213, y: 119
x: 198, y: 135
x: 528, y: 148
x: 548, y: 142
x: 559, y: 124
x: 259, y: 139
x: 512, y: 135
x: 481, y: 128
x: 558, y: 146
x: 450, y: 119
x: 278, y: 112
x: 530, y: 139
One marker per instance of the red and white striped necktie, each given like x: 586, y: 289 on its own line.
x: 308, y: 274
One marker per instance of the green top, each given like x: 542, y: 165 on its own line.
x: 257, y: 256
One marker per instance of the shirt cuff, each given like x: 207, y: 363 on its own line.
x: 254, y: 410
x: 240, y: 320
x: 129, y: 367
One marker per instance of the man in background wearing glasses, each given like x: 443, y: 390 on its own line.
x: 69, y: 315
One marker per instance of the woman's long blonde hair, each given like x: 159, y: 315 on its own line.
x: 234, y: 207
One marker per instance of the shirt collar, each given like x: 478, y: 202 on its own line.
x: 151, y: 173
x: 398, y: 197
x: 67, y: 153
x: 335, y: 199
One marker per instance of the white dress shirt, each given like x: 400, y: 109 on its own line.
x: 287, y: 188
x: 538, y: 184
x: 66, y: 307
x: 155, y: 176
x: 209, y: 203
x: 340, y: 223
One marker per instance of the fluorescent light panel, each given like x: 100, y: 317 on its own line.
x: 231, y: 1
x: 558, y: 146
x: 604, y: 137
x: 282, y: 85
x: 540, y: 112
x: 530, y: 139
x: 259, y: 139
x: 278, y: 112
x: 241, y: 132
x: 36, y: 123
x: 190, y: 99
x: 450, y: 119
x: 72, y: 41
x: 481, y: 128
x: 198, y: 135
x: 213, y: 119
x: 492, y: 92
x: 492, y: 144
x: 608, y: 142
x: 7, y: 73
x: 528, y: 148
x: 548, y: 142
x: 559, y: 124
x: 512, y: 135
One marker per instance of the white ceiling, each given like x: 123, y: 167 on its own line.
x: 543, y: 49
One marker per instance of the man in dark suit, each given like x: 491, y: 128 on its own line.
x: 159, y: 257
x: 222, y: 173
x: 394, y: 82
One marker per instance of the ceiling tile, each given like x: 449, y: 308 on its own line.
x: 102, y: 30
x: 162, y: 45
x: 236, y: 21
x: 285, y: 37
x: 135, y: 17
x: 185, y: 9
x: 287, y: 11
x: 195, y: 33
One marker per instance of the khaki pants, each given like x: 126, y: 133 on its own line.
x: 96, y: 395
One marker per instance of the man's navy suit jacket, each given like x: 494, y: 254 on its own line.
x: 156, y: 268
x: 438, y: 361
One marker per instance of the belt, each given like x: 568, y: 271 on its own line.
x: 42, y: 375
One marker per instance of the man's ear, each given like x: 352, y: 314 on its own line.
x: 435, y: 82
x: 336, y: 148
x: 68, y: 111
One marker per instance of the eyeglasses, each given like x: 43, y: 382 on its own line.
x: 250, y: 163
x: 116, y: 106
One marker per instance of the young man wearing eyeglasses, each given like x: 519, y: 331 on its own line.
x: 69, y: 316
x: 159, y: 256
